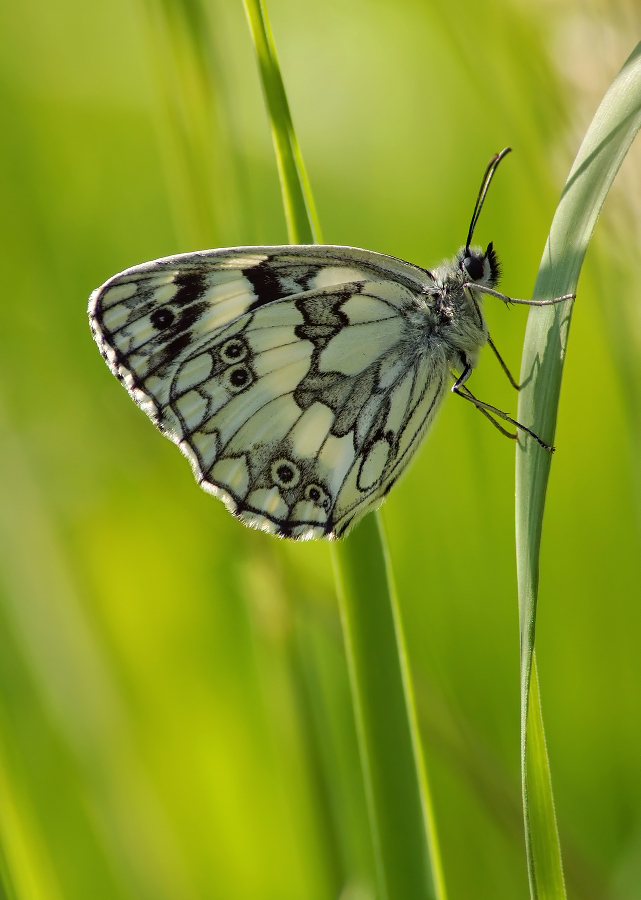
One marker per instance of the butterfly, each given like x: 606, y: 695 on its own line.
x: 299, y: 380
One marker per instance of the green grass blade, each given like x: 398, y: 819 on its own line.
x: 300, y: 213
x: 606, y: 142
x: 543, y: 832
x: 407, y: 858
x: 399, y: 805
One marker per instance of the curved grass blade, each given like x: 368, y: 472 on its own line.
x: 407, y: 859
x: 606, y: 143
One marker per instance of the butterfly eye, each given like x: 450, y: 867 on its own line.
x: 161, y: 318
x: 238, y: 378
x: 233, y: 351
x: 474, y: 267
x: 285, y: 473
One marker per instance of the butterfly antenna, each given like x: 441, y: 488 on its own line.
x: 487, y: 178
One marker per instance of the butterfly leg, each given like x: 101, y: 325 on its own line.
x: 507, y: 300
x: 504, y: 431
x: 514, y: 384
x: 490, y: 411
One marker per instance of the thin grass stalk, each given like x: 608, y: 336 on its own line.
x: 400, y: 811
x: 300, y: 212
x: 606, y: 143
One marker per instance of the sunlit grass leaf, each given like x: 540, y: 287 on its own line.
x: 607, y: 140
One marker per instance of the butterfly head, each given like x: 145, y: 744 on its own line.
x: 476, y: 265
x: 479, y: 266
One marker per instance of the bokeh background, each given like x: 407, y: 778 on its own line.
x: 175, y: 720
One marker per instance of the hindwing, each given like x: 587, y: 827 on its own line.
x: 288, y: 376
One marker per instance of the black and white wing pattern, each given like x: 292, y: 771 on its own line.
x: 292, y: 378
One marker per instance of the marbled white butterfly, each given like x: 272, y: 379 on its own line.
x: 299, y: 380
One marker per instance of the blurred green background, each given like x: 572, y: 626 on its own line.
x: 175, y: 720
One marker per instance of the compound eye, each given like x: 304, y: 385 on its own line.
x: 474, y: 267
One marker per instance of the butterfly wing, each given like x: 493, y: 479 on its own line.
x: 287, y: 375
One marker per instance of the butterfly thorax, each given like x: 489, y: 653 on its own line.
x: 458, y: 310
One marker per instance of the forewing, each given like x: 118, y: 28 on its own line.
x: 282, y: 373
